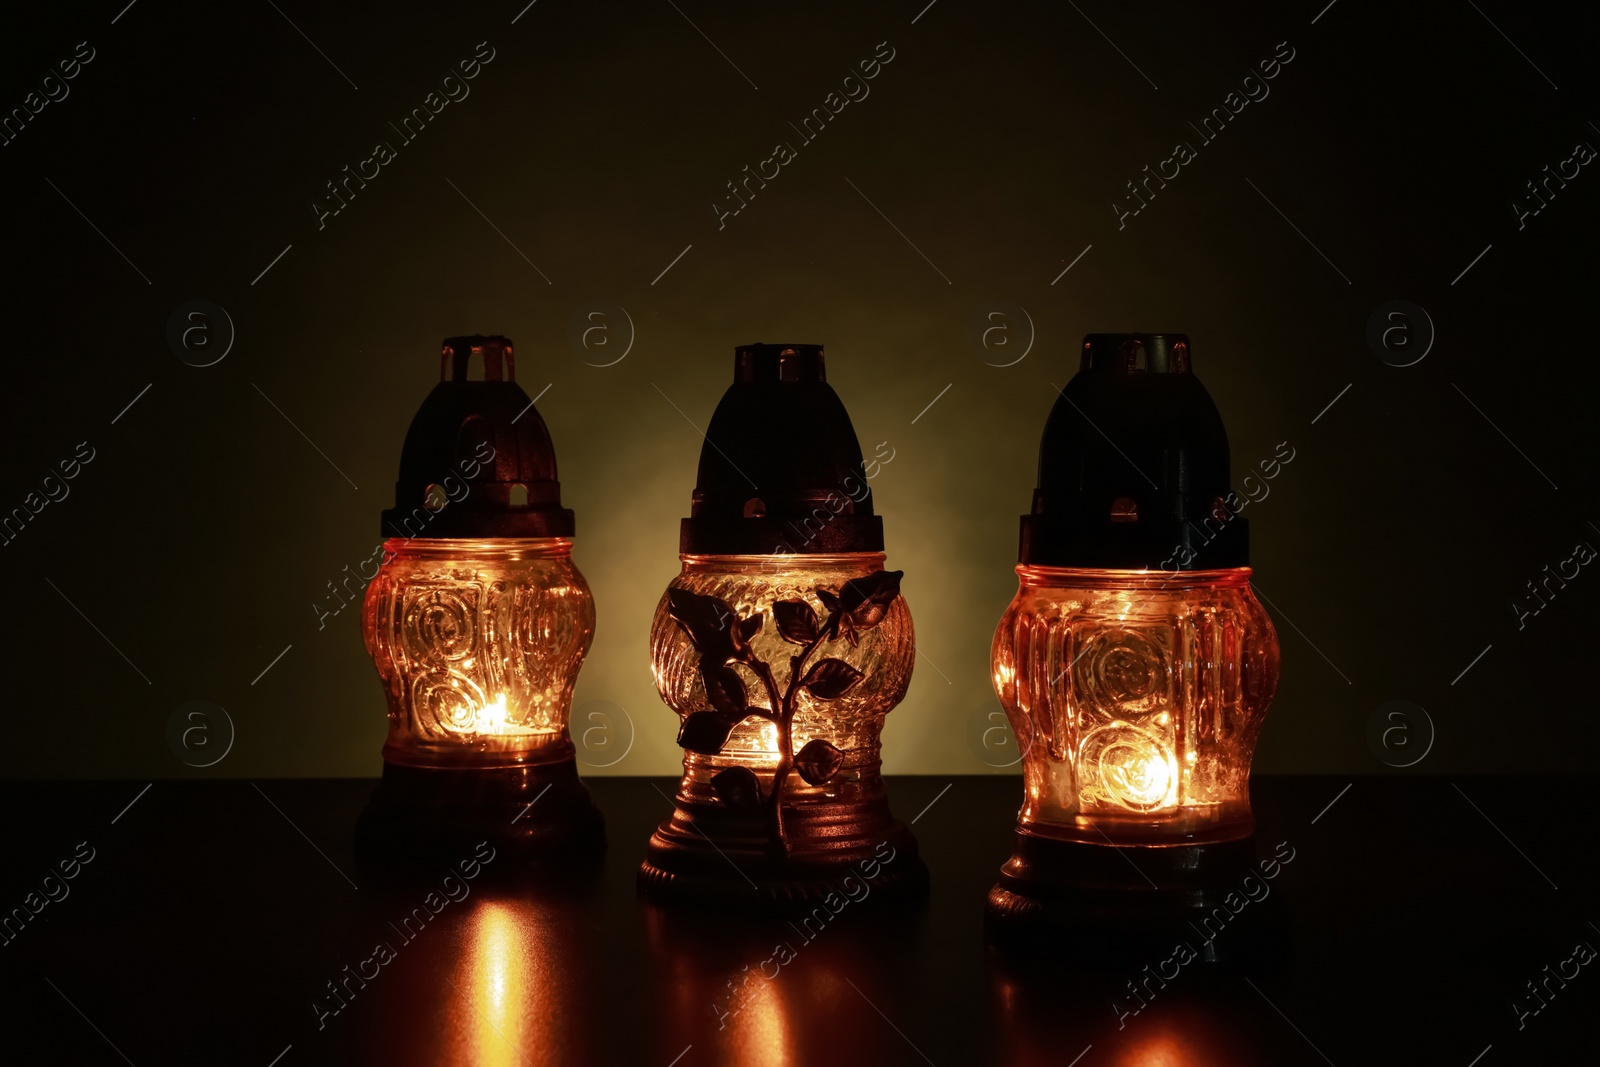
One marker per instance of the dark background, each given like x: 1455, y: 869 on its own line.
x: 205, y: 528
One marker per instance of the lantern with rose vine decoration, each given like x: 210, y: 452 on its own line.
x: 782, y: 645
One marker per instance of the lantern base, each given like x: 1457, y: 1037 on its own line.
x: 1111, y: 905
x: 711, y: 853
x: 529, y: 813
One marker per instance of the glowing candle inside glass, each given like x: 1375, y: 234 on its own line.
x: 829, y: 727
x: 781, y: 646
x: 1142, y: 694
x: 1134, y: 663
x: 478, y: 644
x: 478, y: 622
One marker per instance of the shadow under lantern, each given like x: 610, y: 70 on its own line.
x: 1135, y: 664
x: 478, y: 622
x: 781, y: 645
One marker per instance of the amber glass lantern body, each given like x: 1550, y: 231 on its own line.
x: 882, y: 656
x: 1140, y: 696
x: 793, y: 793
x: 781, y: 646
x: 1136, y: 668
x: 478, y: 644
x: 478, y: 622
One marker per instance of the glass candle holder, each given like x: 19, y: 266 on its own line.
x: 789, y: 713
x: 1143, y: 694
x: 478, y: 622
x: 781, y: 645
x: 478, y: 644
x: 1135, y: 665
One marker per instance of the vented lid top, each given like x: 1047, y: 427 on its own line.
x: 1133, y: 466
x: 477, y: 461
x: 780, y: 470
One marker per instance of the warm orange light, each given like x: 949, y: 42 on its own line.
x: 758, y: 1036
x: 781, y: 646
x: 1164, y: 1050
x: 506, y: 1007
x: 1136, y: 771
x: 499, y: 972
x: 1138, y: 697
x: 868, y: 667
x: 451, y: 621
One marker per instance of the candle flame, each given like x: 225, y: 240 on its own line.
x: 1141, y: 780
x: 493, y: 718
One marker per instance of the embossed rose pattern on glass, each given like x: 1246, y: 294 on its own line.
x: 1137, y: 698
x: 478, y: 644
x: 853, y: 646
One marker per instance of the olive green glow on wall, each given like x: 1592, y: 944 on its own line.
x: 585, y: 165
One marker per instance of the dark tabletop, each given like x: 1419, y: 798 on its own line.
x: 208, y: 918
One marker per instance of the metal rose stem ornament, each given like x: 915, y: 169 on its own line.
x: 721, y: 644
x: 1137, y: 665
x: 478, y: 622
x: 782, y: 645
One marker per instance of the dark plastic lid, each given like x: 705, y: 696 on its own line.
x: 477, y: 461
x: 780, y: 470
x: 1133, y: 466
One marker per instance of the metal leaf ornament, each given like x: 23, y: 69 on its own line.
x: 722, y: 638
x: 710, y: 622
x: 818, y: 762
x: 706, y: 732
x: 737, y: 785
x: 797, y: 621
x: 830, y: 679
